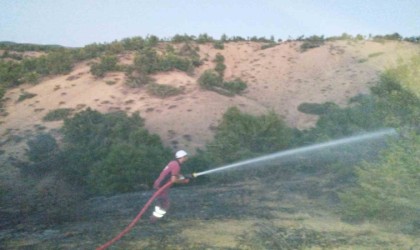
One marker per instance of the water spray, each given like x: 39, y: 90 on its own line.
x: 278, y: 155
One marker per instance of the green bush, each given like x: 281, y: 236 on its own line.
x: 218, y: 45
x: 388, y: 189
x: 172, y: 61
x: 236, y: 86
x: 31, y: 77
x: 204, y: 38
x: 43, y: 154
x: 316, y: 108
x: 148, y: 61
x: 241, y: 136
x: 58, y: 114
x: 220, y: 68
x: 109, y: 153
x: 210, y: 79
x: 268, y: 45
x: 163, y: 90
x: 312, y: 42
x: 59, y: 62
x: 10, y: 74
x: 389, y: 105
x: 25, y: 95
x: 107, y: 63
x: 138, y: 80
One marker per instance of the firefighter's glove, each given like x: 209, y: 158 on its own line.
x: 183, y: 179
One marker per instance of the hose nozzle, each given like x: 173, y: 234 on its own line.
x: 190, y: 176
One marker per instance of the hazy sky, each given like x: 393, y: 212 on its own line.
x: 82, y: 22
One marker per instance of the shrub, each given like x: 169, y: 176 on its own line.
x: 316, y: 108
x: 57, y: 201
x: 58, y: 114
x: 107, y: 63
x: 407, y: 73
x: 220, y: 68
x: 236, y: 86
x: 110, y: 153
x: 312, y: 42
x: 58, y: 62
x: 10, y: 74
x: 210, y: 79
x: 171, y: 61
x: 268, y: 45
x: 139, y: 80
x: 241, y: 136
x: 43, y: 154
x: 218, y: 45
x: 148, y: 61
x: 25, y: 95
x: 388, y: 189
x: 389, y: 105
x: 163, y: 90
x: 204, y: 38
x: 32, y: 77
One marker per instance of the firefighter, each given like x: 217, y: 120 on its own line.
x: 172, y: 172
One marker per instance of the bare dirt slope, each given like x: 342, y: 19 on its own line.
x: 279, y: 78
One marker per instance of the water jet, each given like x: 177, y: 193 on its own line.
x: 302, y: 150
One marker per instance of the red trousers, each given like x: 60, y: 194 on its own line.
x: 163, y: 200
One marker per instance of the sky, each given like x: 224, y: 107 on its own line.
x: 76, y: 23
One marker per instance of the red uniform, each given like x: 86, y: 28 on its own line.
x: 172, y: 169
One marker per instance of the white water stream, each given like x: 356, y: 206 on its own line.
x: 349, y: 140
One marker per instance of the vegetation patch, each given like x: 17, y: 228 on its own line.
x: 163, y: 90
x: 57, y: 114
x: 269, y: 236
x: 25, y: 95
x: 312, y: 42
x: 316, y: 108
x: 211, y: 80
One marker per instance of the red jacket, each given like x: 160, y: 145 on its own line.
x: 172, y: 169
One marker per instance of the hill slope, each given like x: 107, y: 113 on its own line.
x: 279, y: 78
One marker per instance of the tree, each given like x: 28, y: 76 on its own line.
x: 111, y: 153
x: 43, y: 153
x: 241, y: 136
x: 389, y: 188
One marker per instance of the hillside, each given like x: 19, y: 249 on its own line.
x: 291, y: 206
x: 279, y: 78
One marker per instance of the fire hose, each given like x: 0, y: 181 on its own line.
x: 136, y: 219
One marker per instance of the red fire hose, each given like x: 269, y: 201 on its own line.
x: 131, y: 225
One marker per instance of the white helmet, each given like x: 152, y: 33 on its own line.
x: 180, y: 154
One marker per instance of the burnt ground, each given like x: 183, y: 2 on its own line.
x: 295, y: 212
